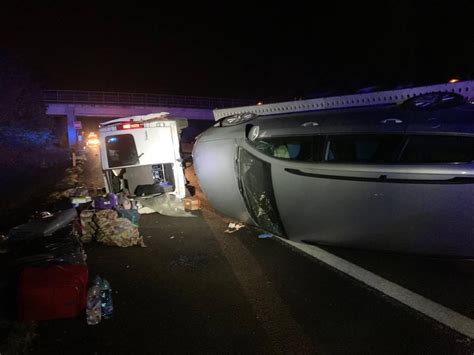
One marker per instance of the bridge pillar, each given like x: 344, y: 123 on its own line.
x: 71, y: 131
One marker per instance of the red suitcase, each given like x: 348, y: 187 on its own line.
x: 52, y: 292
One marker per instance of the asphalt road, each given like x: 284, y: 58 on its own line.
x: 196, y: 289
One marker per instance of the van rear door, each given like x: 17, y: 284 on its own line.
x: 156, y: 145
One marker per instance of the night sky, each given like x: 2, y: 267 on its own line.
x: 237, y: 50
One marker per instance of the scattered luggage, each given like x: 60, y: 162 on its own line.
x: 51, y: 265
x: 107, y: 227
x: 117, y: 231
x: 52, y: 292
x: 49, y: 257
x: 108, y: 201
x: 130, y: 214
x: 87, y: 225
x: 63, y: 247
x: 40, y: 227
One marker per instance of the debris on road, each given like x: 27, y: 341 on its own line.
x: 63, y: 247
x: 87, y: 225
x: 49, y: 260
x: 116, y: 231
x: 146, y: 210
x: 94, y: 304
x: 40, y: 227
x: 52, y: 292
x: 106, y: 299
x: 105, y: 201
x: 234, y: 227
x: 131, y: 214
x: 47, y: 256
x: 99, y: 301
x: 265, y: 235
x: 109, y: 222
x: 192, y: 204
x: 165, y: 204
x: 107, y: 227
x: 79, y: 195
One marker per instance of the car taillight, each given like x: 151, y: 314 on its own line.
x: 129, y: 126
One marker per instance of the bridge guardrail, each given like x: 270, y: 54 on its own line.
x: 142, y: 99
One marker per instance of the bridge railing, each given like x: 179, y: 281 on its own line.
x: 124, y: 98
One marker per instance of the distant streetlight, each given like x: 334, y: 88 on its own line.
x: 452, y: 81
x: 259, y: 103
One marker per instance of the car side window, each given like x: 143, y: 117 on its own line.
x: 438, y: 149
x: 302, y: 148
x: 359, y: 148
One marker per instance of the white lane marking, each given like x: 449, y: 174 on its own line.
x: 452, y: 319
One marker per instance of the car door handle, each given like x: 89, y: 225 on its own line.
x: 310, y: 124
x: 391, y: 120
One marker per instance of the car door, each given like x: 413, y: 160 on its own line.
x: 412, y: 205
x: 314, y: 196
x: 277, y: 138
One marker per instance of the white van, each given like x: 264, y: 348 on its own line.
x: 141, y: 155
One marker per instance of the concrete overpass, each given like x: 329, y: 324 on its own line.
x: 73, y: 104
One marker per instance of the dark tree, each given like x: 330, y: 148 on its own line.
x: 21, y: 101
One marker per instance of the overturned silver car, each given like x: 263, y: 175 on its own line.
x: 389, y: 170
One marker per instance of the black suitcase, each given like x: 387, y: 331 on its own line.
x: 40, y: 227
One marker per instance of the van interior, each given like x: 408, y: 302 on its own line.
x: 142, y: 180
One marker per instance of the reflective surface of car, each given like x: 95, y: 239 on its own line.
x: 397, y: 178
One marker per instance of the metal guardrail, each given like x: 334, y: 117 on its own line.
x: 123, y: 98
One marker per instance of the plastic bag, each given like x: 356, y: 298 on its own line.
x: 63, y: 247
x: 166, y: 204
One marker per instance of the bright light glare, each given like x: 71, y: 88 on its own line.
x: 452, y: 81
x: 93, y: 141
